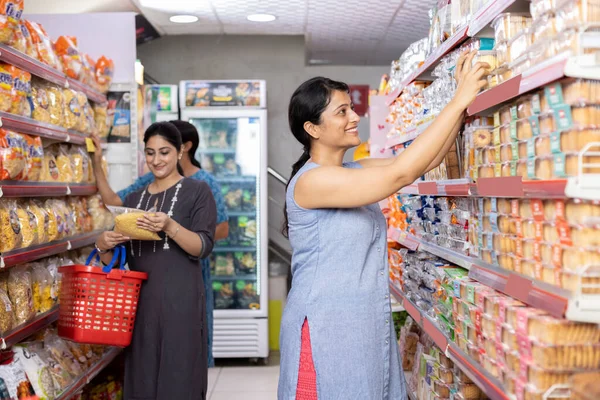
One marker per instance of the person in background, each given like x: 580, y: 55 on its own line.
x: 337, y: 333
x: 191, y: 169
x: 167, y: 357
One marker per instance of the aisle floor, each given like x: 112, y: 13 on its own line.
x: 239, y: 380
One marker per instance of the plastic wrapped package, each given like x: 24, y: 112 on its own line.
x: 544, y: 28
x: 85, y: 122
x: 72, y: 109
x: 56, y: 104
x: 42, y: 44
x: 585, y: 115
x: 61, y: 353
x: 574, y: 13
x: 104, y: 73
x: 29, y: 227
x: 20, y: 293
x: 80, y: 164
x: 101, y: 119
x: 10, y: 226
x: 21, y: 92
x: 6, y: 87
x: 519, y: 45
x: 10, y: 16
x: 68, y: 53
x: 521, y: 64
x: 34, y: 153
x: 41, y: 102
x: 36, y: 368
x: 88, y: 70
x: 507, y: 25
x: 584, y: 386
x: 41, y: 219
x: 13, y: 163
x: 126, y: 223
x: 63, y: 163
x: 16, y: 385
x: 7, y: 316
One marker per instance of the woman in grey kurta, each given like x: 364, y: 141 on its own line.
x: 337, y: 337
x: 167, y: 357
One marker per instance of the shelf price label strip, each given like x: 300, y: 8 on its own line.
x: 32, y: 127
x: 490, y: 386
x: 22, y: 332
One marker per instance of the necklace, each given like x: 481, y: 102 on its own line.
x: 162, y: 203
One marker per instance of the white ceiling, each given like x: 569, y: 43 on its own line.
x: 349, y: 32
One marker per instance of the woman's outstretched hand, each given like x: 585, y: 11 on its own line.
x: 109, y: 240
x: 470, y: 79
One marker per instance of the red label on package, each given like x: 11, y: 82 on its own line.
x: 539, y: 229
x: 523, y: 376
x: 478, y: 320
x: 514, y: 208
x: 480, y: 342
x: 455, y: 306
x: 519, y: 227
x: 537, y: 251
x: 537, y: 271
x: 557, y: 255
x: 502, y: 310
x: 518, y: 266
x: 558, y: 277
x: 519, y: 247
x: 537, y: 209
x: 560, y: 209
x: 522, y: 318
x: 564, y: 233
x: 520, y: 389
x: 500, y: 357
x: 480, y: 298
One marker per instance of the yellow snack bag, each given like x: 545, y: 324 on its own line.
x: 126, y: 223
x: 10, y: 226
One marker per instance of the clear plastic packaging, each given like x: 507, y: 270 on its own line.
x: 574, y: 13
x: 566, y: 357
x: 507, y: 25
x: 468, y: 391
x: 519, y: 45
x: 20, y: 293
x: 552, y: 331
x: 126, y: 223
x: 544, y: 28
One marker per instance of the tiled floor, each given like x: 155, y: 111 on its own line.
x: 232, y: 380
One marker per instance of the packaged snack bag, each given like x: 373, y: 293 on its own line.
x: 6, y: 87
x: 42, y: 45
x: 72, y: 109
x: 13, y: 164
x: 10, y: 15
x: 10, y: 226
x: 68, y: 54
x: 104, y: 73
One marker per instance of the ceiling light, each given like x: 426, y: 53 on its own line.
x: 261, y: 17
x: 316, y: 61
x: 183, y: 19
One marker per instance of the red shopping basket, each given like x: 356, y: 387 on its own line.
x: 98, y: 305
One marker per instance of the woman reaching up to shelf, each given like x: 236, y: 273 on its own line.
x: 191, y: 169
x: 167, y: 358
x: 337, y: 337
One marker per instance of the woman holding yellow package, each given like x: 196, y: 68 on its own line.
x: 167, y: 357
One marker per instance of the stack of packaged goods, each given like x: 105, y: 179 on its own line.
x: 538, y: 137
x: 553, y: 241
x: 25, y: 223
x: 553, y: 28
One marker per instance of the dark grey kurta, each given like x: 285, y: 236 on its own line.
x: 167, y: 357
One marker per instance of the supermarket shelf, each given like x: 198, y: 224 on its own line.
x: 563, y: 65
x: 407, y: 376
x: 27, y: 329
x: 233, y: 278
x: 509, y: 186
x: 33, y: 253
x: 233, y: 249
x: 33, y: 66
x: 488, y: 384
x: 37, y: 128
x: 42, y: 189
x: 412, y: 134
x: 430, y: 62
x: 90, y: 374
x: 558, y: 302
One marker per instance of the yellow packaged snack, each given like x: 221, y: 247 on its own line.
x: 20, y: 293
x: 83, y: 123
x: 42, y: 288
x: 10, y: 226
x: 50, y: 171
x: 6, y: 311
x: 72, y: 109
x: 101, y: 218
x: 63, y: 163
x: 42, y: 220
x: 6, y: 87
x: 21, y: 92
x: 79, y: 164
x: 28, y: 226
x: 126, y: 223
x: 10, y: 15
x: 41, y: 101
x: 54, y: 221
x: 101, y: 119
x: 56, y: 104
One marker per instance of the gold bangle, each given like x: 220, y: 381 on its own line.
x: 176, y: 232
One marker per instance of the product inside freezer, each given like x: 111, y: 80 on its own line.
x: 245, y: 262
x: 224, y: 264
x: 239, y: 196
x: 224, y: 295
x: 220, y: 164
x: 247, y: 297
x: 217, y: 133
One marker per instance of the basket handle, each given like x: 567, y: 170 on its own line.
x: 95, y: 255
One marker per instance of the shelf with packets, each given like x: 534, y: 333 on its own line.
x: 33, y: 253
x: 488, y: 384
x: 37, y: 128
x: 22, y: 332
x: 543, y: 252
x: 44, y: 71
x: 90, y: 374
